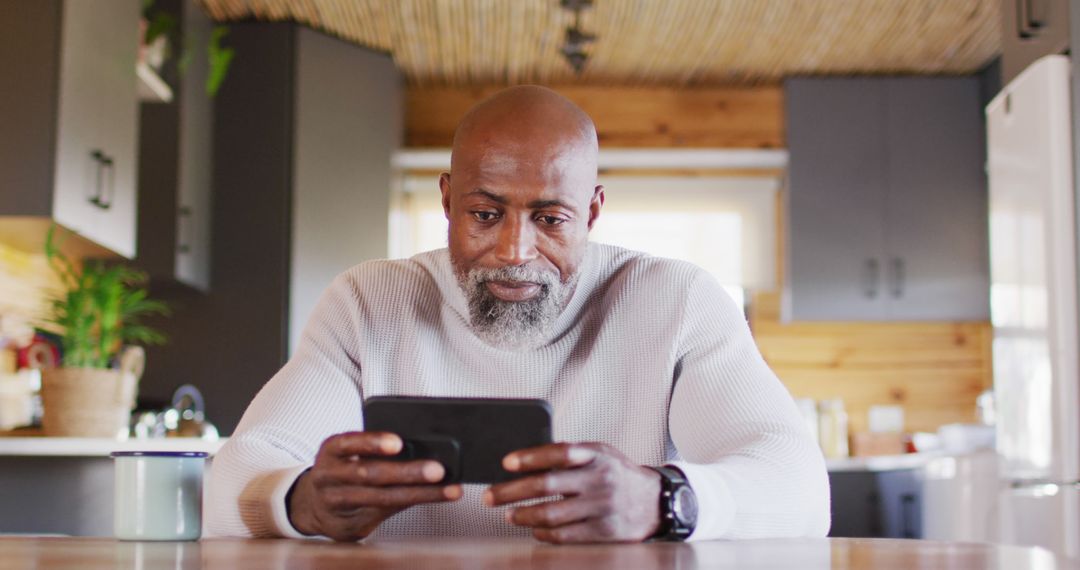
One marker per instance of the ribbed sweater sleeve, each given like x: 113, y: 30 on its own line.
x: 315, y: 395
x: 754, y: 467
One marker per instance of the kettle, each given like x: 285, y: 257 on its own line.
x: 187, y: 416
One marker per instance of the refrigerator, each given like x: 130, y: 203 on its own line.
x: 1033, y: 297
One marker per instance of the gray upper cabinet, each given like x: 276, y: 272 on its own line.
x: 176, y: 163
x: 1030, y: 30
x: 70, y: 71
x: 195, y: 161
x: 937, y: 264
x: 838, y: 165
x: 886, y: 202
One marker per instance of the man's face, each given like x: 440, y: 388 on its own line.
x: 519, y: 223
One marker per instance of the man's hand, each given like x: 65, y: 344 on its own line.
x: 604, y: 496
x: 349, y: 490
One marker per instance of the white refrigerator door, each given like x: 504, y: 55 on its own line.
x: 960, y: 497
x: 1044, y: 515
x: 1033, y: 274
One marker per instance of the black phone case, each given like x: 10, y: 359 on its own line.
x: 469, y: 436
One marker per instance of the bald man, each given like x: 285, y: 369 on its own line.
x: 669, y: 423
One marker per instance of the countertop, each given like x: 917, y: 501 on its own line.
x: 808, y: 554
x: 884, y: 462
x: 99, y: 447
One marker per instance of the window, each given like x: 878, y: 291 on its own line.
x: 725, y: 225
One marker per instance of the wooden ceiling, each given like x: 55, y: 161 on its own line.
x: 671, y: 43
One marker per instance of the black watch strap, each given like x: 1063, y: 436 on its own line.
x: 678, y: 505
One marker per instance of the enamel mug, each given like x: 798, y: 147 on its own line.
x: 158, y: 495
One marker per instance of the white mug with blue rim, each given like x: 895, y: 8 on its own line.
x: 158, y: 495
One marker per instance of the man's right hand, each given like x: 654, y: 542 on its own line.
x: 350, y: 490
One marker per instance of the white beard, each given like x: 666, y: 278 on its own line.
x: 514, y: 325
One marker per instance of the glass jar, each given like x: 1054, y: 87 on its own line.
x: 833, y: 428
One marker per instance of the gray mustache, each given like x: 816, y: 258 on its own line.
x: 482, y: 275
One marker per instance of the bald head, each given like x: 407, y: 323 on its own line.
x: 521, y: 197
x: 526, y: 121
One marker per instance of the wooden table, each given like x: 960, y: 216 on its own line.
x: 808, y: 554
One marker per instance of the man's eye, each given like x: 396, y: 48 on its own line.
x: 551, y: 220
x: 485, y: 216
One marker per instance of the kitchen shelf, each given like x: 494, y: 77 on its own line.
x: 151, y: 87
x: 884, y: 462
x: 99, y: 447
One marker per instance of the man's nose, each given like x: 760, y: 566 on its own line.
x: 517, y: 242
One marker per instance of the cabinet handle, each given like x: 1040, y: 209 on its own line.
x: 871, y: 278
x: 183, y: 221
x: 101, y: 187
x: 110, y: 188
x: 897, y: 277
x: 1030, y: 17
x: 97, y: 156
x: 908, y: 514
x: 873, y: 514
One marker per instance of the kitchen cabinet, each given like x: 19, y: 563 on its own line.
x: 69, y: 114
x: 1030, y: 30
x: 303, y: 135
x: 886, y: 200
x: 877, y: 504
x: 59, y: 485
x: 176, y: 165
x: 194, y: 183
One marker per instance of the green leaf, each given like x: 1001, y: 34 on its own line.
x: 220, y: 59
x: 99, y: 310
x: 162, y: 24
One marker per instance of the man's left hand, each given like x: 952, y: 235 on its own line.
x: 603, y: 495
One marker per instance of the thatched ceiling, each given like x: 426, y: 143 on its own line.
x: 651, y: 42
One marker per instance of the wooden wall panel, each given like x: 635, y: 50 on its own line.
x: 26, y: 280
x: 626, y: 117
x: 934, y: 370
x: 25, y: 284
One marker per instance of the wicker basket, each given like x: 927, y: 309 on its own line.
x: 87, y: 402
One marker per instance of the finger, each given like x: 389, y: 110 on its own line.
x: 348, y: 499
x: 362, y: 443
x: 592, y: 530
x: 566, y: 483
x: 558, y: 513
x: 382, y: 473
x: 551, y: 456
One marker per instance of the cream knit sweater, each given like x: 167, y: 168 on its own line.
x: 650, y: 356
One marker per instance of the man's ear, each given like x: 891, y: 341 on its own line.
x: 444, y: 187
x: 595, y: 204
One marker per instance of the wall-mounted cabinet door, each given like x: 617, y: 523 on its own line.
x: 835, y: 199
x: 886, y: 200
x: 94, y: 177
x: 195, y: 161
x: 176, y: 151
x: 936, y: 257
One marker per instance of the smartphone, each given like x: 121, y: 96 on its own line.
x: 469, y: 436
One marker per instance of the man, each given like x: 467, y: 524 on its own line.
x: 645, y: 361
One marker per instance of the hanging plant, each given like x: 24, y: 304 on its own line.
x: 164, y: 24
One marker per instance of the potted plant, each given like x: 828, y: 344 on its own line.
x: 97, y: 315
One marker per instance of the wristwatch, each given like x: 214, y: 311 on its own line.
x: 678, y: 505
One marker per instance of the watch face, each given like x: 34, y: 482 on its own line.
x: 685, y: 507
